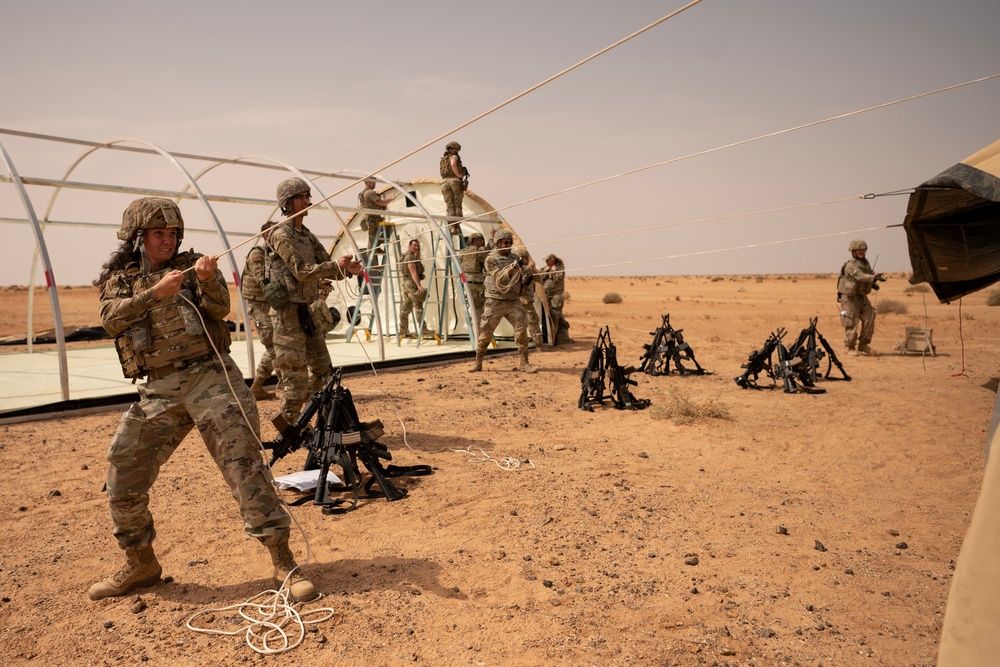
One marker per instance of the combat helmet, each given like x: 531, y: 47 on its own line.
x: 857, y: 244
x: 476, y: 236
x: 453, y: 146
x: 151, y: 213
x: 289, y: 188
x: 503, y: 234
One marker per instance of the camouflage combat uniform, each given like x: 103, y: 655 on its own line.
x: 186, y: 387
x: 500, y: 304
x: 452, y: 187
x: 853, y: 287
x: 412, y: 299
x: 252, y: 288
x: 527, y: 298
x: 299, y: 262
x: 368, y: 198
x: 553, y: 283
x: 472, y: 258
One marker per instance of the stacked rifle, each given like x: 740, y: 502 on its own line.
x: 668, y: 346
x: 339, y: 438
x: 797, y: 366
x: 604, y: 374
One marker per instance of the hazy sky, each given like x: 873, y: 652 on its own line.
x: 336, y: 85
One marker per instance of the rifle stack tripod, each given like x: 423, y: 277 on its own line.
x: 339, y: 438
x: 604, y: 373
x: 668, y: 345
x: 797, y: 364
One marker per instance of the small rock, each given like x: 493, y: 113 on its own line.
x: 848, y: 571
x: 54, y: 493
x: 819, y: 546
x: 555, y: 602
x: 894, y: 533
x: 455, y: 589
x: 513, y: 512
x: 321, y: 639
x: 652, y: 554
x: 902, y: 545
x: 727, y: 651
x: 84, y: 467
x: 782, y: 530
x: 643, y: 455
x: 694, y: 590
x: 485, y: 382
x: 500, y: 555
x: 691, y: 560
x: 547, y: 583
x: 766, y: 633
x: 108, y: 625
x: 139, y: 605
x: 416, y: 591
x: 809, y: 607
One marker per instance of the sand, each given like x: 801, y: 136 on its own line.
x: 773, y: 529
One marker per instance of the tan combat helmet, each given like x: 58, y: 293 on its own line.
x: 857, y: 244
x: 453, y: 146
x: 289, y: 188
x: 476, y: 236
x: 151, y: 213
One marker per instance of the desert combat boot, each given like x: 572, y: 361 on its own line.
x: 141, y: 569
x: 258, y: 390
x: 525, y: 366
x: 300, y: 588
x: 477, y: 365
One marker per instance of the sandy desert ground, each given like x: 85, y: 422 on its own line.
x: 623, y: 538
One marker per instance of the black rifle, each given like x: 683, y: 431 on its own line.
x: 339, y: 438
x: 806, y: 347
x: 668, y: 345
x: 603, y: 365
x: 759, y: 362
x: 592, y: 377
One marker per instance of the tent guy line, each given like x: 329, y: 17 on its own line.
x: 467, y: 123
x: 738, y: 143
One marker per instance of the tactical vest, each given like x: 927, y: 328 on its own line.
x: 308, y: 248
x: 250, y: 286
x: 446, y: 171
x: 553, y: 282
x: 471, y: 260
x: 848, y: 286
x: 171, y: 332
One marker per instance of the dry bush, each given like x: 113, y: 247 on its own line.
x: 993, y: 298
x: 717, y: 279
x: 612, y: 297
x: 888, y: 306
x: 681, y: 409
x: 912, y: 289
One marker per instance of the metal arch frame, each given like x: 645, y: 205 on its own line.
x: 191, y: 182
x: 50, y: 280
x: 452, y: 255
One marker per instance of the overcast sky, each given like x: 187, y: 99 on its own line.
x: 336, y: 86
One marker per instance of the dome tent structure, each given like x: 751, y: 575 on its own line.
x: 418, y: 212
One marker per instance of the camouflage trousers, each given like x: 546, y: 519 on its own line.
x: 453, y: 193
x: 151, y: 430
x: 534, y: 324
x: 372, y: 230
x: 302, y: 361
x: 413, y: 302
x: 494, y: 311
x: 478, y: 298
x: 260, y: 312
x: 854, y: 309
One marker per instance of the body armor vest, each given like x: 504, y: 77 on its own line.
x: 471, y: 259
x: 250, y: 285
x: 365, y: 202
x: 446, y: 171
x: 171, y: 332
x: 408, y: 261
x: 846, y: 283
x: 501, y: 263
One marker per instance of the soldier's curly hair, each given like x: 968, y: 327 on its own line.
x: 120, y: 258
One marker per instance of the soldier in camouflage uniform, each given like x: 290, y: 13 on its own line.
x: 300, y: 263
x: 857, y: 280
x: 527, y: 298
x: 553, y: 282
x: 455, y: 180
x: 472, y: 258
x: 414, y: 293
x: 503, y: 288
x: 370, y: 199
x: 252, y: 288
x: 167, y: 311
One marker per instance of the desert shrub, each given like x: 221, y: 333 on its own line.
x: 916, y: 289
x: 612, y: 297
x: 717, y: 279
x: 681, y: 409
x: 887, y: 306
x: 993, y: 298
x: 759, y: 279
